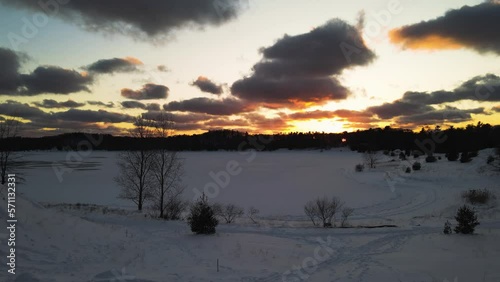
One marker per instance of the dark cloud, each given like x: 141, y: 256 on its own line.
x: 149, y: 18
x: 227, y: 106
x: 224, y: 123
x: 139, y: 105
x: 55, y: 80
x: 206, y: 85
x: 480, y: 88
x: 9, y: 67
x: 44, y: 79
x: 153, y: 107
x: 289, y: 92
x: 67, y: 121
x: 32, y: 129
x: 53, y: 104
x: 318, y: 114
x: 148, y: 92
x: 298, y: 69
x: 177, y: 117
x: 99, y: 103
x: 16, y: 109
x: 484, y: 88
x: 448, y: 114
x: 473, y: 27
x: 128, y: 64
x: 398, y: 108
x: 91, y: 116
x: 133, y: 105
x: 261, y: 123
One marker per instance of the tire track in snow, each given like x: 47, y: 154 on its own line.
x: 360, y: 255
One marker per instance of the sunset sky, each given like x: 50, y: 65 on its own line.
x: 250, y: 65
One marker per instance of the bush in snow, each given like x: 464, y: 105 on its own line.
x: 202, y: 218
x: 408, y: 170
x: 452, y: 156
x: 430, y: 159
x: 467, y: 220
x: 252, y: 213
x: 402, y: 156
x: 228, y: 212
x: 346, y: 212
x: 416, y: 166
x: 371, y: 158
x: 465, y: 157
x: 490, y: 159
x: 473, y: 154
x: 447, y: 228
x: 359, y: 167
x: 323, y: 210
x: 478, y: 196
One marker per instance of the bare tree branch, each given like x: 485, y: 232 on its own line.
x: 9, y: 129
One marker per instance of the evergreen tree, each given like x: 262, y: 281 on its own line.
x: 447, y: 228
x: 467, y: 220
x: 202, y: 218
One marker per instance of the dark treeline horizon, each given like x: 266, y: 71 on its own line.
x: 469, y: 138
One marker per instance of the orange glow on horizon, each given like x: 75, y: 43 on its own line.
x: 430, y: 42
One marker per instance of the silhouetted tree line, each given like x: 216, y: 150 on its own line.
x: 470, y: 138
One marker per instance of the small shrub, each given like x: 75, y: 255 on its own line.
x: 359, y: 167
x: 478, y: 196
x: 228, y: 212
x: 430, y: 159
x: 174, y: 208
x: 465, y: 157
x: 408, y: 152
x: 416, y: 166
x: 490, y: 159
x: 447, y: 228
x: 402, y: 156
x: 202, y: 218
x: 346, y: 212
x: 252, y: 213
x: 323, y: 210
x: 393, y: 154
x: 408, y: 170
x: 452, y: 156
x: 439, y: 158
x: 467, y: 220
x: 473, y: 154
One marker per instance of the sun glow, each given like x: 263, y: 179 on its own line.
x: 324, y: 125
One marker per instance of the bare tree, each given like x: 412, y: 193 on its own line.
x: 252, y: 212
x: 167, y: 171
x: 8, y: 129
x: 324, y: 209
x: 371, y: 158
x: 228, y: 212
x: 135, y: 167
x: 346, y: 212
x: 311, y: 212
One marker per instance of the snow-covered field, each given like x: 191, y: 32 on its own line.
x: 93, y: 243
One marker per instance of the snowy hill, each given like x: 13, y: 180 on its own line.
x: 65, y: 243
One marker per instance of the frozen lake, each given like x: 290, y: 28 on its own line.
x: 277, y: 183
